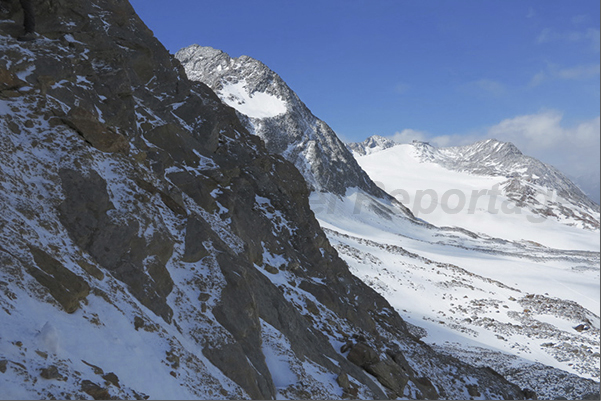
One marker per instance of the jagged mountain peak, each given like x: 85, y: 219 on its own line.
x: 492, y: 147
x: 525, y: 180
x: 244, y: 83
x: 491, y: 157
x: 372, y: 144
x: 275, y: 113
x: 495, y: 158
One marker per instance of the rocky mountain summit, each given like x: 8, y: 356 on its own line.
x: 275, y: 113
x: 373, y: 144
x: 151, y: 247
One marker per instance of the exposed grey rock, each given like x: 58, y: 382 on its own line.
x: 374, y: 143
x: 295, y: 133
x: 362, y: 355
x: 67, y: 288
x: 94, y: 132
x: 94, y: 390
x: 51, y: 373
x: 112, y: 379
x: 115, y: 246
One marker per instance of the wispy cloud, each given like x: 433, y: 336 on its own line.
x: 572, y: 149
x: 579, y: 72
x: 401, y: 88
x: 580, y: 19
x: 531, y: 13
x: 538, y: 78
x: 589, y: 35
x: 494, y: 87
x: 409, y: 135
x: 487, y: 87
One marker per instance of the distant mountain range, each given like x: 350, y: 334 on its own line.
x: 525, y: 181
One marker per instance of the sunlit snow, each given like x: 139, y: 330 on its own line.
x: 471, y: 293
x: 256, y: 105
x: 475, y: 202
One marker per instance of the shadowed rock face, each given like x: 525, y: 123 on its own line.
x: 132, y: 194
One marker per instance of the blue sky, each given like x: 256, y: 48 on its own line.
x: 446, y: 71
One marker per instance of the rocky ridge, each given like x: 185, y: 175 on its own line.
x: 151, y: 247
x: 373, y: 144
x: 288, y: 128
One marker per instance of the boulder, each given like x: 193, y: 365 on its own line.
x: 9, y: 83
x: 389, y: 374
x: 94, y: 132
x: 362, y: 355
x: 51, y: 373
x: 94, y: 390
x: 66, y: 287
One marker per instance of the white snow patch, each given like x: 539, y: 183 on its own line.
x: 276, y: 349
x: 256, y: 105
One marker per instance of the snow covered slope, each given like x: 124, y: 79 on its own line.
x: 276, y: 114
x: 529, y: 312
x: 489, y: 188
x: 521, y: 295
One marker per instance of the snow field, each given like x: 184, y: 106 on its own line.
x: 256, y: 105
x: 469, y: 292
x: 449, y: 198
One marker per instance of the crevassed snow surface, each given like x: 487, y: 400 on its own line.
x: 459, y: 199
x: 256, y: 105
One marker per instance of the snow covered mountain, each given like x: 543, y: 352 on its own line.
x: 506, y: 293
x: 489, y: 187
x: 276, y: 114
x: 151, y: 247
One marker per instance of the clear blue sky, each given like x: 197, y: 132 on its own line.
x: 426, y: 69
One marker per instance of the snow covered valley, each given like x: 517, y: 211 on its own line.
x: 528, y: 311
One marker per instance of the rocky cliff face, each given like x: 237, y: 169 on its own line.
x: 151, y: 247
x: 275, y: 113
